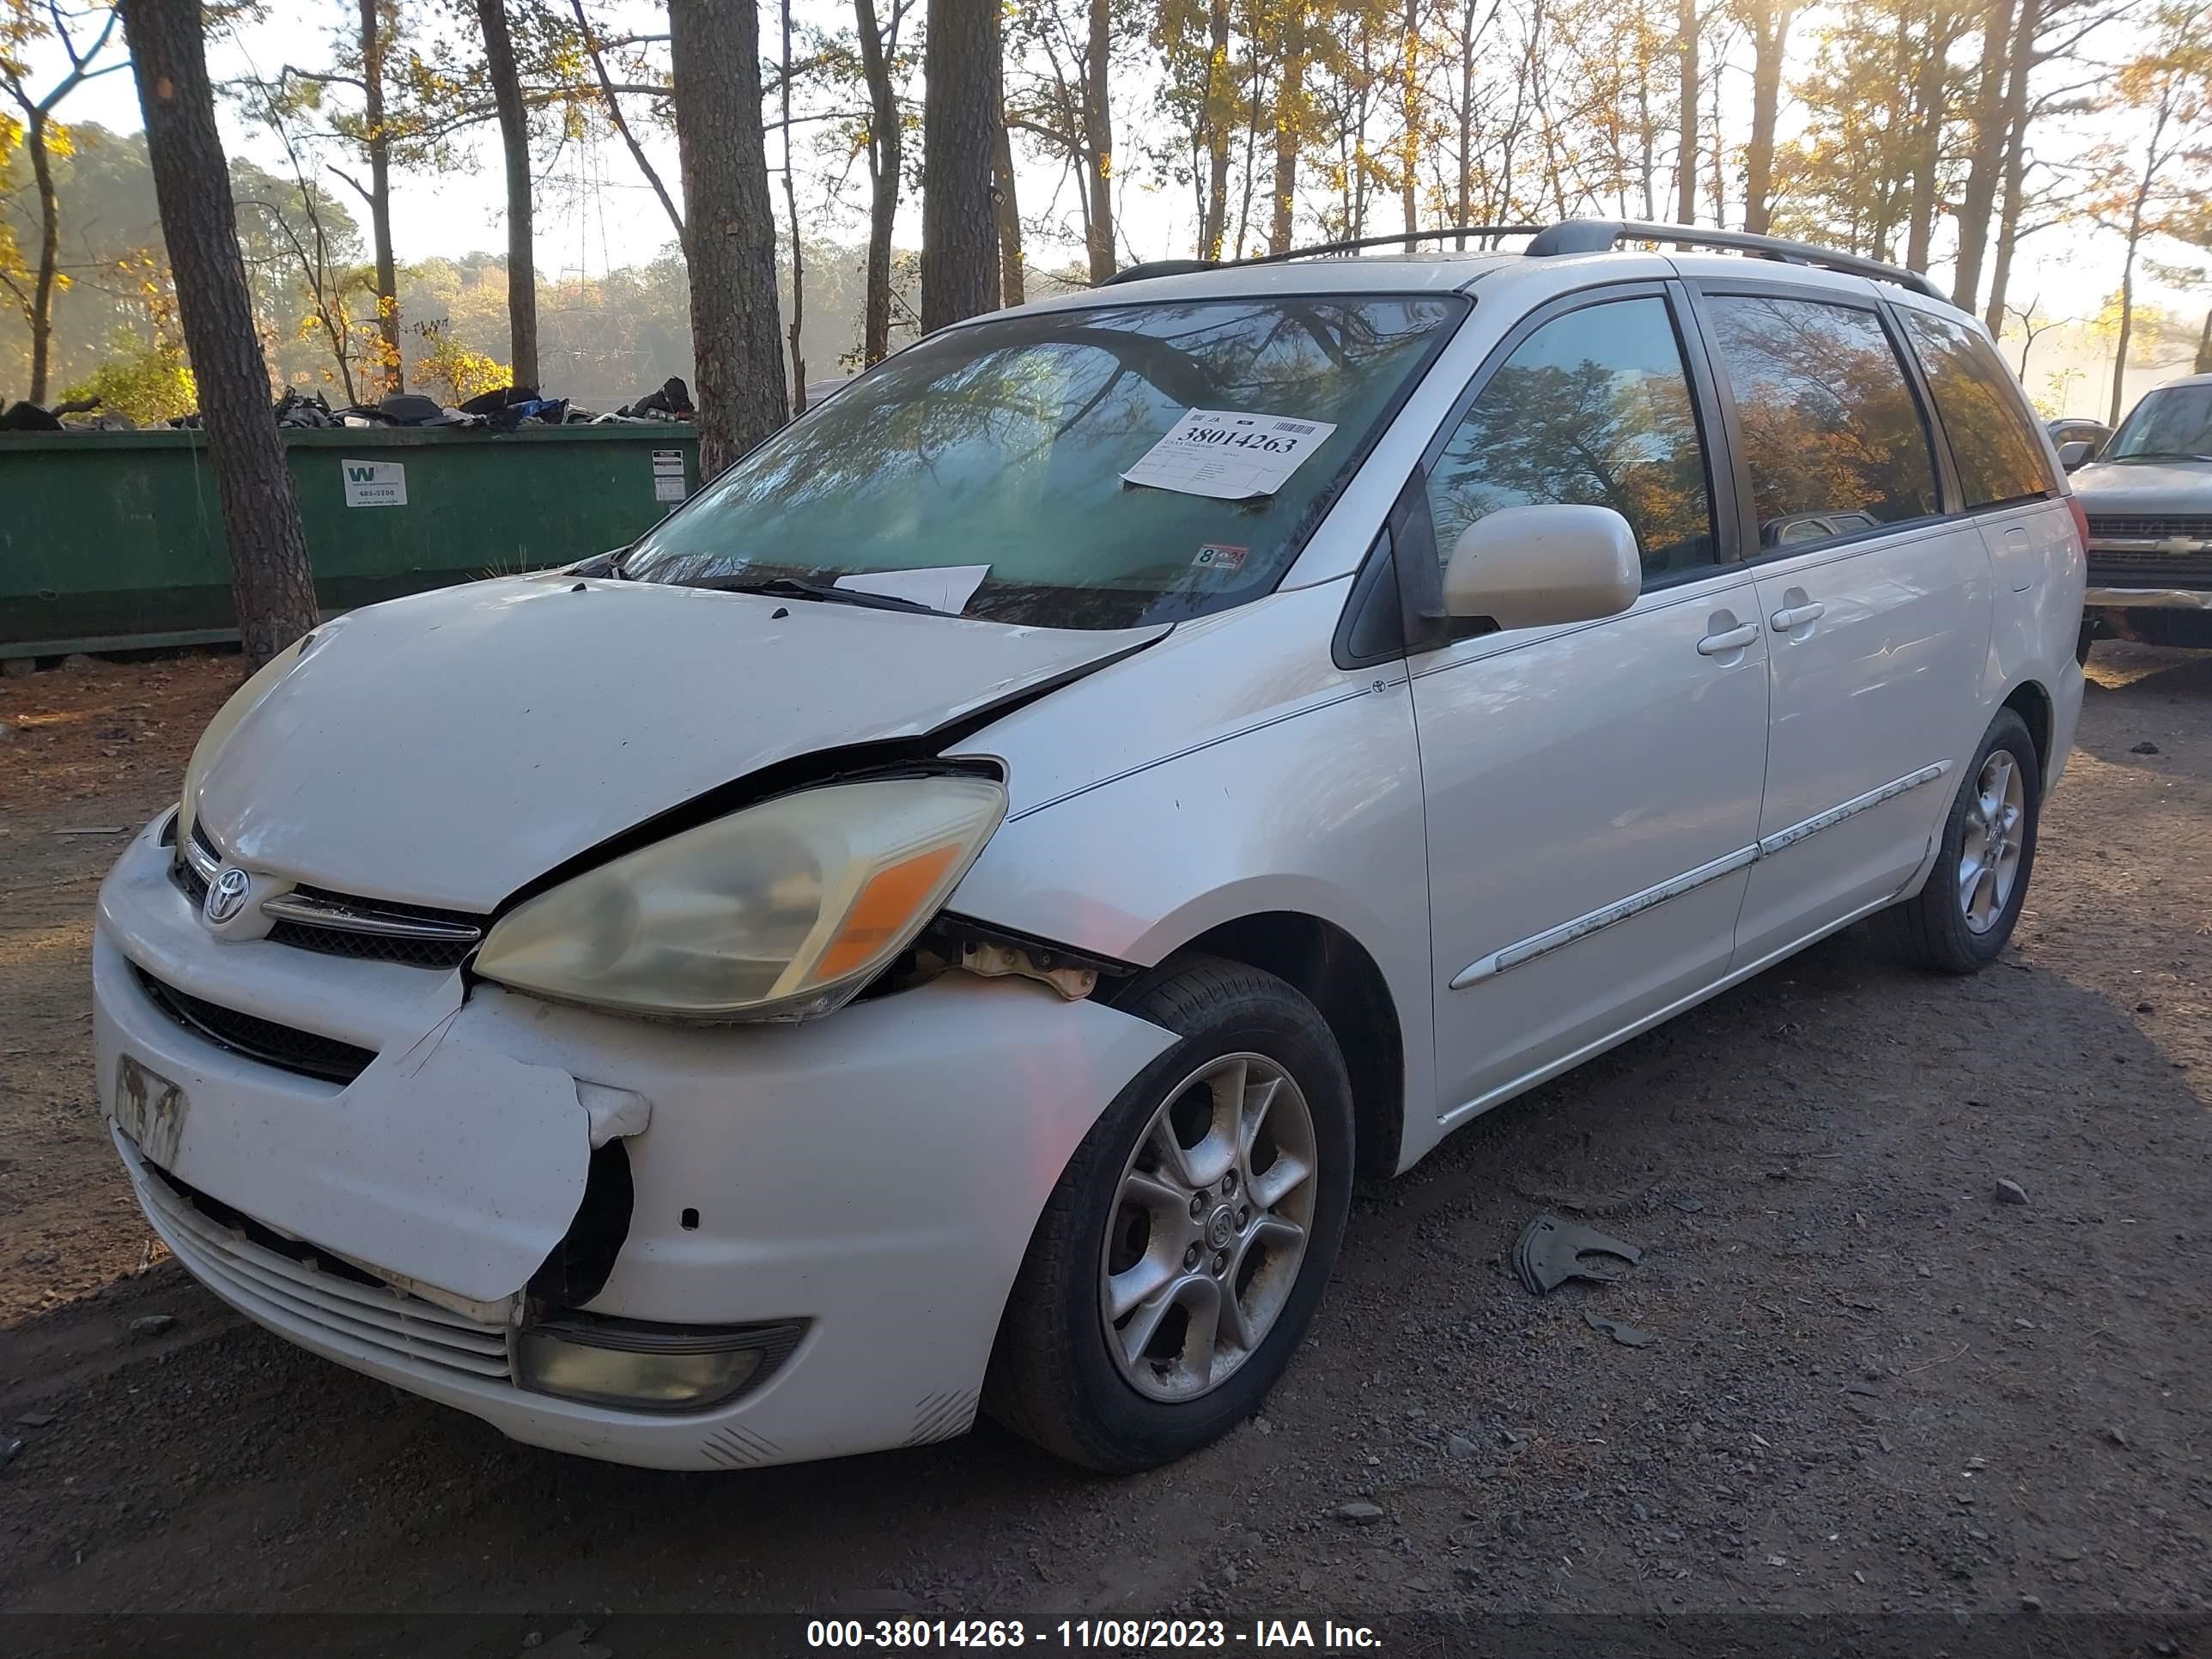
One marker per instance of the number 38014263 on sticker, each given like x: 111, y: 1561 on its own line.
x: 1232, y: 455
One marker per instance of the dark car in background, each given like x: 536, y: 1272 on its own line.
x: 2148, y: 498
x: 2092, y: 434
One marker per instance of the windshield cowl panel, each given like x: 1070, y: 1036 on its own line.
x: 1002, y: 444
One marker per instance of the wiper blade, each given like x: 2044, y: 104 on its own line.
x: 791, y: 587
x: 2157, y: 455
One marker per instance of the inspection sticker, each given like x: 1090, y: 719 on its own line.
x: 1227, y: 454
x: 1221, y: 556
x: 375, y: 483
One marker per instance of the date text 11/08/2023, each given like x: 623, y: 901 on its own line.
x: 1112, y: 1635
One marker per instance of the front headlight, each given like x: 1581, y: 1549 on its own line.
x: 242, y: 702
x: 782, y: 911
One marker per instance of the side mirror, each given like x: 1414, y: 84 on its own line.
x: 2075, y: 454
x: 1529, y: 566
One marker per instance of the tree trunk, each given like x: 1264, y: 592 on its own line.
x: 2204, y: 348
x: 1978, y: 202
x: 1213, y: 221
x: 1098, y: 138
x: 1770, y: 41
x: 1409, y: 144
x: 1289, y: 98
x: 714, y: 47
x: 271, y: 587
x: 1007, y: 209
x: 1251, y: 153
x: 514, y: 145
x: 2127, y: 313
x: 961, y: 107
x: 885, y: 147
x: 798, y: 253
x: 1463, y: 110
x: 50, y: 252
x: 380, y: 192
x: 2016, y: 159
x: 1686, y: 155
x: 1927, y: 150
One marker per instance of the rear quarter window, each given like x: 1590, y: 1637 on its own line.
x: 1991, y: 438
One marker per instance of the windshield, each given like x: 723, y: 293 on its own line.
x: 997, y: 451
x: 2171, y: 422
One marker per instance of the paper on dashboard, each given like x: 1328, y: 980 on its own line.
x: 1230, y: 454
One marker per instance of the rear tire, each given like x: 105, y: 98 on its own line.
x: 2086, y: 638
x: 1959, y: 921
x: 1255, y: 1091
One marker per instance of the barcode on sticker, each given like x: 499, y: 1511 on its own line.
x: 1301, y: 428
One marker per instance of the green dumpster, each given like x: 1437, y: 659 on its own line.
x: 111, y: 540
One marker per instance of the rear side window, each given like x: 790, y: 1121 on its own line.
x: 1830, y: 433
x: 1999, y: 458
x: 1593, y: 409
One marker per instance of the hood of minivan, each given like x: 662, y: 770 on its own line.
x: 446, y: 749
x: 2160, y: 487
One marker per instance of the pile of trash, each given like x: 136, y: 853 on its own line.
x: 506, y: 409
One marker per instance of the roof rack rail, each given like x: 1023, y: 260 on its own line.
x: 1601, y: 235
x: 1150, y: 267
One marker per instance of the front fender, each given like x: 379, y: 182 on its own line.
x: 1320, y: 814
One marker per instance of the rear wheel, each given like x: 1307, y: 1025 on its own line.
x: 1962, y: 918
x: 1190, y: 1238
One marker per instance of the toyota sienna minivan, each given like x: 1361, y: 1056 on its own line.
x: 938, y: 924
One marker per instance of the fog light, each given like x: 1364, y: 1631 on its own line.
x: 661, y: 1368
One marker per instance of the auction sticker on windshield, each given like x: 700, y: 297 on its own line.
x: 1227, y: 454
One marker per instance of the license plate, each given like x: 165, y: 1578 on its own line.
x: 150, y: 1110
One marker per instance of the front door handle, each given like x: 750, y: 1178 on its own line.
x: 1796, y: 615
x: 1733, y: 639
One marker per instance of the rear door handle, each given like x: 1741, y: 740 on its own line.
x: 1796, y: 615
x: 1733, y: 639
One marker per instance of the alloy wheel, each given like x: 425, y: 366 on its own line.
x: 1209, y: 1227
x: 1989, y: 852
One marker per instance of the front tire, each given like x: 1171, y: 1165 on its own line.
x: 1187, y: 1242
x: 1959, y: 921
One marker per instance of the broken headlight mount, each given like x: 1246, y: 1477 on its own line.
x: 978, y: 947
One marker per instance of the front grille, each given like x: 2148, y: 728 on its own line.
x: 185, y: 871
x: 2108, y: 568
x: 334, y: 938
x: 292, y: 1287
x: 337, y: 925
x: 306, y: 1053
x: 2121, y: 527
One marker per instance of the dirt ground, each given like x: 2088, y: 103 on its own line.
x: 1875, y: 1390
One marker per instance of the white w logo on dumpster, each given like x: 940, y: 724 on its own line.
x: 375, y: 483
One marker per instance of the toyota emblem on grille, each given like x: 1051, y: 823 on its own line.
x: 226, y: 895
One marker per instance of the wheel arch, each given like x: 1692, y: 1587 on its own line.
x: 2033, y: 703
x: 1331, y: 969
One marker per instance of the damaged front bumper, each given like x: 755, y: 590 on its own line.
x: 863, y: 1185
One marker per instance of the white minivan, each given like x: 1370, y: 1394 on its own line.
x: 938, y: 924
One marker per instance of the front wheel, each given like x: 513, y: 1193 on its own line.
x: 1961, y: 919
x: 1187, y: 1242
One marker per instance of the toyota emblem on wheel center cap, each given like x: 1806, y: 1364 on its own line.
x: 226, y: 895
x: 1220, y: 1229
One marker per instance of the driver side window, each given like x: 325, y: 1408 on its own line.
x: 1593, y: 409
